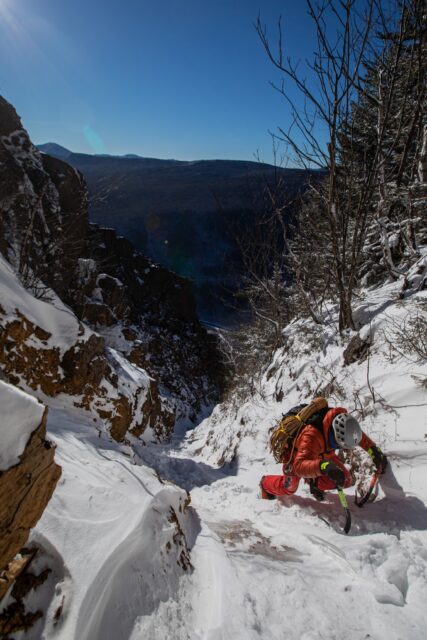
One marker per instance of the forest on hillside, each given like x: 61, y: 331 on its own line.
x: 361, y: 117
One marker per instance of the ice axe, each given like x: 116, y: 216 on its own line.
x: 372, y: 487
x: 346, y: 508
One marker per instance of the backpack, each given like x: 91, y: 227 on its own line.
x: 282, y: 440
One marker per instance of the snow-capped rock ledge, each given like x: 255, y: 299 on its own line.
x: 28, y: 473
x: 22, y: 414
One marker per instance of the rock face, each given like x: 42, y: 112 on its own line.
x: 149, y: 315
x: 143, y: 315
x: 31, y: 219
x: 44, y: 347
x: 27, y: 485
x: 72, y: 200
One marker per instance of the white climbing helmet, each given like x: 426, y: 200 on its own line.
x: 347, y: 431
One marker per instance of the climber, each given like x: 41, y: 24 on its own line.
x: 312, y: 454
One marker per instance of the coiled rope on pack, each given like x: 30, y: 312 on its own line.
x: 284, y: 436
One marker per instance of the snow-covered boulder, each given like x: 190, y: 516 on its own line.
x: 115, y: 540
x: 28, y: 472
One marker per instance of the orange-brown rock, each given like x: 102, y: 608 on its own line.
x: 155, y: 415
x: 14, y: 569
x: 139, y: 356
x: 98, y: 314
x: 84, y: 365
x: 25, y: 490
x: 82, y: 371
x: 23, y: 352
x: 121, y: 419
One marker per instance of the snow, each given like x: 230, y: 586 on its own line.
x: 286, y: 570
x: 20, y: 147
x: 260, y: 569
x: 52, y: 316
x: 63, y: 331
x: 22, y: 414
x: 105, y: 533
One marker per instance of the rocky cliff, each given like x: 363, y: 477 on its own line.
x: 126, y: 344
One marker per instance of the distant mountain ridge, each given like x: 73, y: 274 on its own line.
x: 214, y: 167
x: 56, y: 150
x: 183, y: 214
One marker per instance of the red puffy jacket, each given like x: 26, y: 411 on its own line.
x: 312, y: 446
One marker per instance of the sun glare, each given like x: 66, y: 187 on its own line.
x: 5, y: 9
x: 11, y: 24
x: 24, y: 34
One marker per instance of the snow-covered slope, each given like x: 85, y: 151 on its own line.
x: 113, y: 535
x: 131, y: 559
x: 284, y: 569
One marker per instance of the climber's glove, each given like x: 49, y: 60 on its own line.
x: 333, y: 471
x: 378, y: 458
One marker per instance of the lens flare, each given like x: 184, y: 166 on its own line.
x: 95, y: 141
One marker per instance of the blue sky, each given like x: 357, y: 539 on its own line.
x: 182, y: 79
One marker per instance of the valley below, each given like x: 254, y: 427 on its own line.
x: 189, y: 217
